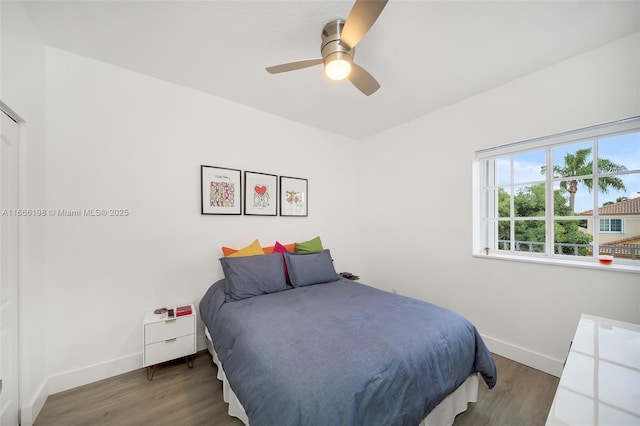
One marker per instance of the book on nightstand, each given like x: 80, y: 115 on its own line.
x: 183, y: 310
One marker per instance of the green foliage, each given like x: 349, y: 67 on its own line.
x: 568, y: 231
x: 529, y: 202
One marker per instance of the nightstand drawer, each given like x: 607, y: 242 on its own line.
x: 169, y: 329
x: 167, y: 350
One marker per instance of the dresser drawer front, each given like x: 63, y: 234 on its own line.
x: 156, y: 353
x: 164, y: 330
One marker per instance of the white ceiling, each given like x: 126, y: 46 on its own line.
x: 425, y: 54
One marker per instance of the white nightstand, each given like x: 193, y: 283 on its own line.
x: 164, y: 339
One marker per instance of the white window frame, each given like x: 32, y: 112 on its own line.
x: 483, y: 236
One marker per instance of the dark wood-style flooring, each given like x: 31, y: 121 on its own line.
x: 181, y: 396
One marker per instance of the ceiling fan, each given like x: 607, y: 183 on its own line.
x: 339, y: 39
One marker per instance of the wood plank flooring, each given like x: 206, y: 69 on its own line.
x: 522, y: 397
x: 181, y: 396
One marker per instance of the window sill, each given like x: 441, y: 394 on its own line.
x: 594, y: 264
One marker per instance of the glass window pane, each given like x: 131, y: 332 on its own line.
x: 504, y: 202
x: 615, y: 225
x: 620, y: 150
x: 529, y: 201
x: 501, y: 229
x: 530, y: 236
x: 573, y: 237
x: 573, y: 160
x: 562, y: 200
x: 503, y: 171
x: 529, y: 167
x: 504, y: 234
x: 626, y: 250
x: 619, y: 237
x: 614, y: 190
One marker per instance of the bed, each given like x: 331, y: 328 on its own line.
x: 324, y: 350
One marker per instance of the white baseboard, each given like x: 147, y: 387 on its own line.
x: 93, y: 373
x: 29, y: 412
x: 525, y: 356
x: 103, y: 370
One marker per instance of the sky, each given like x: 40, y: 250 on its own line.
x: 621, y: 149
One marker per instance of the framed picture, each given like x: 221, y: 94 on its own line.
x: 221, y: 190
x: 260, y: 194
x: 294, y: 196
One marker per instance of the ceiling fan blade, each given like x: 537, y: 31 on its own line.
x: 363, y: 81
x: 292, y: 66
x: 361, y: 18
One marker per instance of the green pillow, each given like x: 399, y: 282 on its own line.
x: 311, y: 246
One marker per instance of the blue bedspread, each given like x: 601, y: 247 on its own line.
x: 341, y: 353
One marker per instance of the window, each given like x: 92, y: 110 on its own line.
x: 611, y: 225
x: 541, y: 198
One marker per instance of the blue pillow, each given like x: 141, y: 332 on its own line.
x: 250, y: 276
x: 310, y: 268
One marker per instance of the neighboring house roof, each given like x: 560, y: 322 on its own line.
x: 626, y: 207
x: 625, y: 241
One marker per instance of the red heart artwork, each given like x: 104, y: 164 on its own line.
x: 260, y: 189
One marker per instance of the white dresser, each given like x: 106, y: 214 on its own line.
x: 600, y: 383
x: 167, y: 338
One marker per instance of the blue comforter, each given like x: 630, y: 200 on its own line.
x: 341, y: 353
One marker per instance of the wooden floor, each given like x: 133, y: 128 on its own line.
x: 181, y: 396
x: 522, y: 397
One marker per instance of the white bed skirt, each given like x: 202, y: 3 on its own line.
x: 442, y: 415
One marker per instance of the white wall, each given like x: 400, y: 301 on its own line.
x: 118, y: 139
x: 418, y: 177
x: 22, y: 89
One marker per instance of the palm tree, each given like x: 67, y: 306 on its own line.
x: 577, y: 165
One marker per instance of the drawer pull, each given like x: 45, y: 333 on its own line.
x: 170, y: 340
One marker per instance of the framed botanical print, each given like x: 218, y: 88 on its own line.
x: 294, y: 196
x: 260, y: 194
x: 221, y: 190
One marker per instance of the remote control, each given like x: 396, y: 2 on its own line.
x: 171, y: 313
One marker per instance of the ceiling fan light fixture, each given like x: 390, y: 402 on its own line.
x: 338, y: 69
x: 337, y: 66
x: 339, y: 40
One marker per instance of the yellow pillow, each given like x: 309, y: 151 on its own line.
x: 252, y: 249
